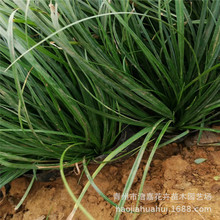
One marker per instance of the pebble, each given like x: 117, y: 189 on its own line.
x: 92, y: 199
x: 210, y: 149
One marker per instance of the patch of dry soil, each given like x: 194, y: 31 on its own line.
x: 176, y: 188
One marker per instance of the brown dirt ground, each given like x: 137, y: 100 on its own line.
x: 172, y: 172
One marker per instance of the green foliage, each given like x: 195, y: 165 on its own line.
x: 72, y: 72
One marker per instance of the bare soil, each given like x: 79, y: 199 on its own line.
x: 176, y: 188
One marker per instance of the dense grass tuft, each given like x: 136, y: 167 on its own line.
x: 74, y: 73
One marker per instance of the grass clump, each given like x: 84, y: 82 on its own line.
x: 73, y: 72
x: 45, y: 106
